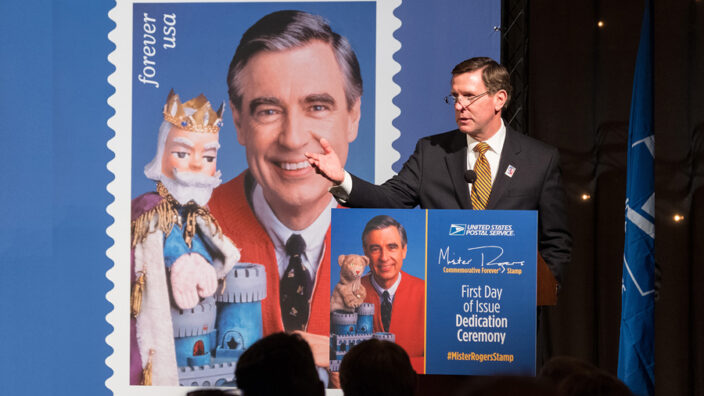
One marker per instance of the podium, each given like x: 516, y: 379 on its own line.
x: 483, y: 279
x: 547, y: 284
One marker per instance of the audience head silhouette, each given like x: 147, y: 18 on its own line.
x: 576, y: 377
x: 279, y: 364
x: 213, y: 392
x: 502, y: 385
x: 377, y: 368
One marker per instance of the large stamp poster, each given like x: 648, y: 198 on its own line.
x: 238, y: 91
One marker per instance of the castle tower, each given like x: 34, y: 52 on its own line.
x: 344, y: 323
x: 384, y: 336
x: 239, y: 313
x: 365, y: 318
x: 192, y: 333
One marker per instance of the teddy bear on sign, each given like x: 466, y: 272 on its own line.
x: 349, y: 292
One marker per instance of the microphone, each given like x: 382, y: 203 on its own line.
x: 470, y: 176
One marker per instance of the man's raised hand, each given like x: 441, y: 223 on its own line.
x: 328, y: 163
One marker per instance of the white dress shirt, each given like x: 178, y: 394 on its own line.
x: 313, y: 235
x: 392, y: 290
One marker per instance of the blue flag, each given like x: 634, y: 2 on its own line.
x: 636, y: 357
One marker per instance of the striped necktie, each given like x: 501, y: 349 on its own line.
x: 481, y: 188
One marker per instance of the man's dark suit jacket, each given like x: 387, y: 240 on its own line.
x: 433, y: 177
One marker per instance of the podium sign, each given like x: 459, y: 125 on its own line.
x: 481, y: 292
x: 479, y: 269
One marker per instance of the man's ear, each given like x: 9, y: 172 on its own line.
x: 237, y: 120
x: 499, y: 100
x: 353, y: 125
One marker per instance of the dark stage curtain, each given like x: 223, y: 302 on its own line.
x: 580, y: 92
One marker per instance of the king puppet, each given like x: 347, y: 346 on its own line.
x: 179, y: 253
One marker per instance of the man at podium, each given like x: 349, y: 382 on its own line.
x: 483, y: 164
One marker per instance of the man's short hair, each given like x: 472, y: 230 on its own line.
x: 494, y: 75
x: 379, y: 223
x: 279, y: 364
x: 377, y: 368
x: 282, y: 30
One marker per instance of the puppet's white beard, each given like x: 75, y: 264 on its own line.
x: 187, y: 186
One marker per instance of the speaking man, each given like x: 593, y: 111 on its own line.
x: 508, y: 170
x: 292, y: 82
x: 398, y: 297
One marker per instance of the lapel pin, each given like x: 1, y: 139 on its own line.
x: 510, y: 170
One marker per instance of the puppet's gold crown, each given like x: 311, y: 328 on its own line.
x: 200, y: 116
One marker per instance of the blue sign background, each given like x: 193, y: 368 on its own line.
x: 445, y: 300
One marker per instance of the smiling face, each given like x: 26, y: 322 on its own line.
x: 482, y: 118
x: 189, y: 152
x: 386, y: 252
x: 290, y: 99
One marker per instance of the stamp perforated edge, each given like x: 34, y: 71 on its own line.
x: 120, y: 144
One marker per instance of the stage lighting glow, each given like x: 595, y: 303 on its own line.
x: 586, y: 197
x: 677, y: 218
x: 601, y: 24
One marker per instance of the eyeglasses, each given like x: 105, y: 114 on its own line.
x: 452, y: 99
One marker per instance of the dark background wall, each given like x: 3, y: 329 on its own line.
x: 579, y: 92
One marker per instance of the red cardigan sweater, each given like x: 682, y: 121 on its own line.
x: 407, y: 316
x: 231, y: 208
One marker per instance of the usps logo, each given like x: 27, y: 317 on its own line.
x: 458, y: 229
